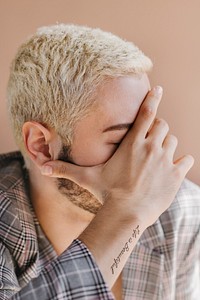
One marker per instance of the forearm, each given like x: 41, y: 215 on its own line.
x: 111, y: 237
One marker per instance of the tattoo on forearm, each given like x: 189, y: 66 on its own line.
x: 117, y: 260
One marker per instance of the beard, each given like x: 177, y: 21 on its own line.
x: 72, y: 191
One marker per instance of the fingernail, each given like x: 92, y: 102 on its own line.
x: 158, y: 90
x: 47, y: 170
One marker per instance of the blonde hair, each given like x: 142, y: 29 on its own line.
x: 56, y: 72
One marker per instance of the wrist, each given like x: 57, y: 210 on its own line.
x: 111, y: 237
x: 125, y: 213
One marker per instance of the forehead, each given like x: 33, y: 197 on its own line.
x: 116, y: 102
x: 119, y: 99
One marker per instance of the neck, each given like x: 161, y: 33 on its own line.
x: 61, y: 220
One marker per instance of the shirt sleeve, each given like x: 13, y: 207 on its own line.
x: 73, y: 275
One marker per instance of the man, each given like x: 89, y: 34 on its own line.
x: 80, y: 210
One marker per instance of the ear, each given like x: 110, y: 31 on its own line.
x: 38, y: 142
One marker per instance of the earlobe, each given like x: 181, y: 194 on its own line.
x: 37, y: 141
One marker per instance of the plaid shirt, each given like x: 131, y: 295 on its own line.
x: 165, y: 263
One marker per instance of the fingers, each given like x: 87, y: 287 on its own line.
x: 183, y: 165
x: 169, y: 145
x: 147, y: 113
x: 158, y: 132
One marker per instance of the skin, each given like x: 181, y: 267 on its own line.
x: 118, y: 102
x: 136, y: 198
x: 94, y: 143
x: 96, y: 139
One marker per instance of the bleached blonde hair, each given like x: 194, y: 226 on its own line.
x: 56, y: 72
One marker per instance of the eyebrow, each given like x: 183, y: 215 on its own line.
x: 122, y: 126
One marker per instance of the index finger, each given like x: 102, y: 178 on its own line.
x: 147, y: 113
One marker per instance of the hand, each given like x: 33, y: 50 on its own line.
x: 141, y: 179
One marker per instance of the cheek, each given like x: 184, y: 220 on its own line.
x: 91, y: 155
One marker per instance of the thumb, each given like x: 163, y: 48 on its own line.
x: 83, y: 176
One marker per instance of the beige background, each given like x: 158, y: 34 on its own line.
x: 167, y: 31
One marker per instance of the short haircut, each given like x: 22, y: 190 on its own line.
x: 56, y: 72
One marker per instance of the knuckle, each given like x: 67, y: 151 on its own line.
x: 152, y: 147
x: 162, y: 123
x: 62, y: 170
x: 86, y: 177
x: 147, y: 111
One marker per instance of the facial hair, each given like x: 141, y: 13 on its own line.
x: 73, y: 192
